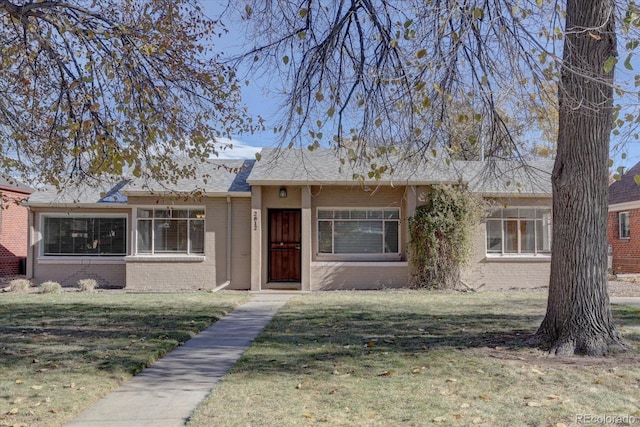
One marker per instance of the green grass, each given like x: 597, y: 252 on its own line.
x: 61, y: 352
x: 417, y: 358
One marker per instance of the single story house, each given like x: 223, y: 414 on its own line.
x: 13, y: 226
x: 623, y: 225
x: 296, y: 220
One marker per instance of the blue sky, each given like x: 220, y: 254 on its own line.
x: 261, y: 98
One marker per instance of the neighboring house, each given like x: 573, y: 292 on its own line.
x: 623, y: 225
x: 294, y: 220
x: 13, y: 226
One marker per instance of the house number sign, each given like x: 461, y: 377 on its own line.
x: 255, y: 221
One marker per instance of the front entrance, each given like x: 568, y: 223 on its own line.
x: 284, y: 245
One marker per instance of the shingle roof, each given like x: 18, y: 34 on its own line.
x: 9, y: 183
x: 626, y: 189
x: 295, y: 166
x: 216, y: 176
x: 105, y: 192
x: 509, y: 177
x: 323, y: 166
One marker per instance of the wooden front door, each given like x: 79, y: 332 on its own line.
x: 284, y: 245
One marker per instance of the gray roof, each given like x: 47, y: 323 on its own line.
x: 215, y: 176
x: 503, y: 178
x: 106, y: 192
x: 625, y: 189
x: 302, y: 167
x: 324, y: 166
x: 10, y: 183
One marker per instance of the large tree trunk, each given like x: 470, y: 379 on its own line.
x: 578, y: 319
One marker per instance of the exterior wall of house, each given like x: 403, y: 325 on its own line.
x: 108, y: 271
x: 343, y: 272
x: 241, y: 244
x: 333, y: 275
x: 13, y: 232
x: 193, y: 272
x: 506, y: 272
x: 625, y: 251
x: 323, y: 272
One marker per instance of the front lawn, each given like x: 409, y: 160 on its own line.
x: 60, y: 353
x: 406, y: 358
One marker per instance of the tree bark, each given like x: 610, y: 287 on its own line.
x: 578, y: 318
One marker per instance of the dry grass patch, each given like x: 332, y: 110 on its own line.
x: 418, y: 358
x: 61, y: 352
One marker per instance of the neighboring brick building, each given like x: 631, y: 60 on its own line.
x: 13, y: 226
x: 623, y: 225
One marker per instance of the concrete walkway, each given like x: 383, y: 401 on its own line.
x: 166, y: 393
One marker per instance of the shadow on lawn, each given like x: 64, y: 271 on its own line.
x: 84, y: 335
x: 298, y: 339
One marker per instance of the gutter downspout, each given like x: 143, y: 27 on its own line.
x: 228, y: 266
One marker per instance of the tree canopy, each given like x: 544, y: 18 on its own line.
x: 104, y: 87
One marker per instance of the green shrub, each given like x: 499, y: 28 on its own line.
x: 87, y: 285
x: 19, y: 286
x: 50, y: 287
x: 440, y: 234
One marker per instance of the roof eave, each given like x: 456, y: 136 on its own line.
x: 493, y: 194
x: 103, y: 205
x: 146, y: 193
x: 15, y: 189
x: 280, y: 182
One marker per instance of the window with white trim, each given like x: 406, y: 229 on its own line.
x: 623, y: 225
x: 519, y: 231
x: 170, y: 231
x: 358, y: 231
x: 84, y: 236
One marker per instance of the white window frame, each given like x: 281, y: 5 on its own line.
x: 154, y: 252
x: 382, y: 256
x: 44, y: 255
x: 621, y: 235
x: 519, y: 252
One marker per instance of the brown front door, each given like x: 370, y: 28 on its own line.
x: 284, y: 245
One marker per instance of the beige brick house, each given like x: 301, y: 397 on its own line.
x: 296, y: 219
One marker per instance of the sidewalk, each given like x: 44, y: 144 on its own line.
x: 166, y: 393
